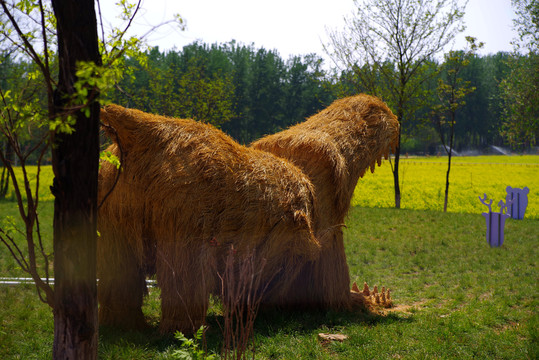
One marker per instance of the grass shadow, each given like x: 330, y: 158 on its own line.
x: 271, y: 321
x: 301, y: 322
x: 149, y: 337
x: 268, y: 323
x: 113, y: 341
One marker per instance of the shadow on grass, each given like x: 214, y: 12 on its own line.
x: 269, y: 322
x: 149, y: 338
x: 306, y: 321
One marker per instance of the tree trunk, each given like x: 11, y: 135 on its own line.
x: 447, y: 181
x: 396, y: 177
x: 397, y: 161
x: 75, y: 159
x: 449, y: 153
x: 4, y: 180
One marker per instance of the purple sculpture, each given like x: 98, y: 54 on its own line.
x: 495, y: 221
x: 519, y: 202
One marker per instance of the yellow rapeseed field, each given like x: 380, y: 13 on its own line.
x: 423, y: 183
x: 45, y: 181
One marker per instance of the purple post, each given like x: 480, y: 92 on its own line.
x: 495, y: 221
x: 495, y: 224
x: 519, y: 202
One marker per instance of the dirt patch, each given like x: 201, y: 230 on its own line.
x: 404, y: 308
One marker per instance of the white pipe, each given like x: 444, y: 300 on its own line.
x: 20, y: 281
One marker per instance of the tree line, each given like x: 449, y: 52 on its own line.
x: 246, y: 91
x: 249, y: 92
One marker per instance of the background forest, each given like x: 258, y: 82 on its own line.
x: 249, y: 92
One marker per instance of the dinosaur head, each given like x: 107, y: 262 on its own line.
x: 374, y: 130
x: 356, y: 131
x: 336, y: 146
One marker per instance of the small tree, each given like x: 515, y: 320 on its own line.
x: 36, y: 31
x: 451, y: 92
x: 388, y: 43
x: 75, y: 161
x: 75, y: 158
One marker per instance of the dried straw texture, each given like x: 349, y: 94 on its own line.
x: 186, y: 194
x: 334, y: 148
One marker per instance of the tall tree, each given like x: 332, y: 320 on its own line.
x: 394, y: 39
x: 496, y: 68
x: 521, y: 88
x: 241, y: 58
x: 35, y: 31
x: 266, y: 92
x: 451, y: 92
x: 306, y: 89
x: 75, y: 160
x: 74, y: 116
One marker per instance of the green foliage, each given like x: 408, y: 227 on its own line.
x: 8, y: 225
x: 248, y: 92
x: 28, y: 35
x: 111, y: 158
x: 526, y: 24
x: 22, y: 111
x: 190, y: 348
x: 520, y: 90
x: 251, y: 92
x: 192, y: 90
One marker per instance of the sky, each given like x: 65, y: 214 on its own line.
x: 292, y: 27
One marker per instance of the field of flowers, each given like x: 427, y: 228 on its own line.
x: 423, y: 183
x: 45, y: 181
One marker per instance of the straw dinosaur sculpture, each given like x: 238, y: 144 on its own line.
x: 334, y: 148
x: 186, y: 194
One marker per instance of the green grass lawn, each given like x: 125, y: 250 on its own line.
x: 454, y: 296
